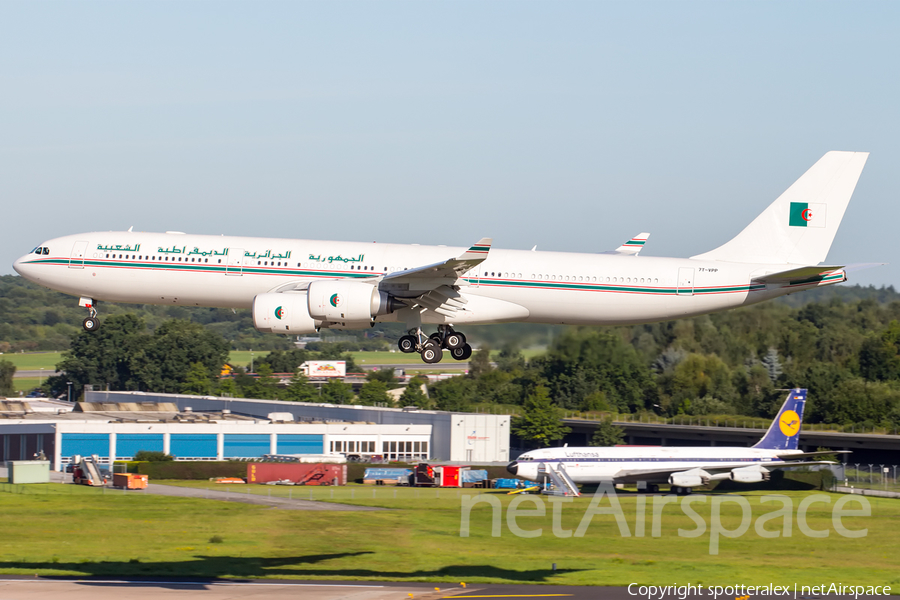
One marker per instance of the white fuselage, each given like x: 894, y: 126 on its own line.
x: 598, y: 465
x: 550, y: 287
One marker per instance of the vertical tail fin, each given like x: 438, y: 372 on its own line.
x: 784, y: 432
x: 800, y: 225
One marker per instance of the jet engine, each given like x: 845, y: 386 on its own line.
x: 691, y: 478
x: 283, y: 313
x: 339, y: 301
x: 750, y: 474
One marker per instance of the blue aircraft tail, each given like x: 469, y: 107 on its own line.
x: 784, y: 432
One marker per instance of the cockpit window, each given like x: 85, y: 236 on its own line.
x: 41, y: 250
x: 45, y: 250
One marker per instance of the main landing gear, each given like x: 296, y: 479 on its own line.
x: 432, y: 347
x: 92, y: 323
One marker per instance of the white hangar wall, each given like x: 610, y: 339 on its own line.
x: 457, y: 437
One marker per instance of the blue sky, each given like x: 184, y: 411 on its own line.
x: 570, y: 125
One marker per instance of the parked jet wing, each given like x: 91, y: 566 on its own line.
x: 662, y: 475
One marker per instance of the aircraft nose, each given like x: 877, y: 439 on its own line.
x: 513, y: 467
x: 18, y: 264
x: 22, y: 267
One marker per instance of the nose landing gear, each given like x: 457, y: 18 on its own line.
x: 431, y: 347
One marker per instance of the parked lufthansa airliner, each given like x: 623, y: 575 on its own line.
x: 301, y: 286
x: 680, y: 466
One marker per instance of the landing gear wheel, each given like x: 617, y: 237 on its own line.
x: 431, y: 352
x: 407, y: 344
x: 454, y: 340
x: 91, y: 324
x: 436, y: 337
x: 464, y: 352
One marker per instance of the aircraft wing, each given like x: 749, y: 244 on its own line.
x: 435, y: 287
x: 662, y: 475
x: 633, y: 246
x: 414, y: 282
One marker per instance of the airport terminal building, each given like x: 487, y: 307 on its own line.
x: 116, y: 425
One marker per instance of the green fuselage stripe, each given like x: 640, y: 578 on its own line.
x: 486, y: 282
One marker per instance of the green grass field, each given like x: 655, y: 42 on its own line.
x: 242, y: 357
x: 25, y: 384
x: 32, y: 361
x: 82, y: 531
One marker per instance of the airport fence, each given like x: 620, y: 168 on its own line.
x: 874, y: 476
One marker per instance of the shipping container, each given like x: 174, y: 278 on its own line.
x: 450, y: 476
x: 297, y: 473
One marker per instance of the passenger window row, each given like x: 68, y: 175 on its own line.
x: 574, y: 278
x: 159, y: 258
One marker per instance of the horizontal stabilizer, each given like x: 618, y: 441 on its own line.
x: 861, y: 267
x: 810, y: 454
x: 799, y: 274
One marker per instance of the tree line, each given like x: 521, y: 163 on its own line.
x: 846, y: 350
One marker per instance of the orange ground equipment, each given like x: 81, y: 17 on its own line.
x: 130, y: 481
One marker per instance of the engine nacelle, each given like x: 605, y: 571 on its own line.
x: 283, y: 313
x: 691, y: 478
x: 750, y: 474
x: 338, y: 301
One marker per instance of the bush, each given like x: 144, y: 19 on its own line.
x: 191, y: 470
x: 151, y: 456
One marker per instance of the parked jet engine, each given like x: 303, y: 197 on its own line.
x: 338, y: 301
x: 283, y: 313
x: 691, y: 478
x: 750, y: 474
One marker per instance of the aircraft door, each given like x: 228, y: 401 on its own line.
x: 76, y: 260
x: 685, y: 282
x: 234, y: 265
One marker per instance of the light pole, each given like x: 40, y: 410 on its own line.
x: 251, y: 361
x: 870, y: 474
x: 41, y: 377
x: 69, y: 384
x: 857, y: 472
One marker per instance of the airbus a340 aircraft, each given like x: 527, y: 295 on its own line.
x: 302, y: 286
x: 681, y: 466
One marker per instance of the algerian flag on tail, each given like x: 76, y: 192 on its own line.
x: 803, y: 214
x: 800, y: 225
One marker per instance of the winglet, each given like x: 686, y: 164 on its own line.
x: 633, y: 246
x: 478, y: 251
